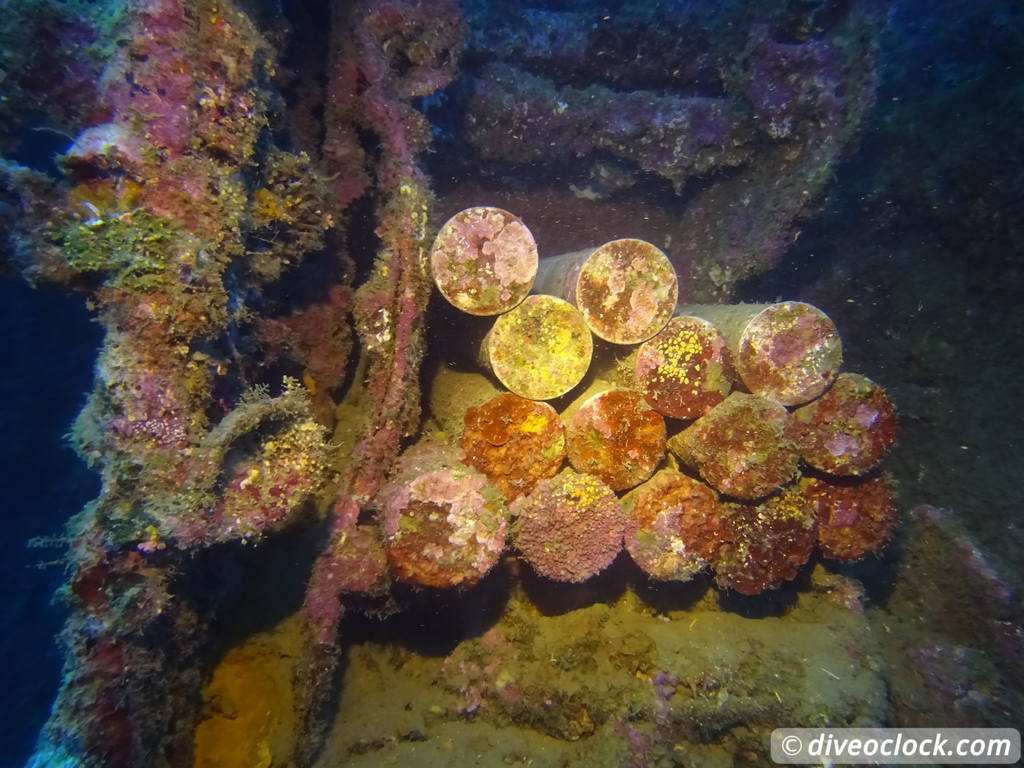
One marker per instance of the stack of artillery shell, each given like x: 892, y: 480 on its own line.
x: 624, y: 292
x: 759, y: 385
x: 786, y: 354
x: 749, y: 448
x: 484, y: 262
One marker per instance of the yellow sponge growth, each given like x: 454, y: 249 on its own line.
x: 248, y: 706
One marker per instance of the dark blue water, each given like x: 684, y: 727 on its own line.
x: 49, y: 345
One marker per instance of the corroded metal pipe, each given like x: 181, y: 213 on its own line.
x: 747, y: 446
x: 855, y: 518
x: 569, y: 527
x: 514, y: 441
x: 674, y: 526
x: 686, y: 370
x: 444, y: 528
x: 789, y: 352
x: 850, y: 428
x: 616, y: 436
x: 766, y: 543
x: 626, y: 289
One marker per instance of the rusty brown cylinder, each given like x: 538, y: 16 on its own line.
x: 789, y: 351
x: 855, y: 517
x: 626, y: 289
x: 444, y: 528
x: 686, y: 370
x: 849, y: 429
x: 747, y: 446
x: 766, y: 543
x: 616, y: 436
x: 515, y: 442
x: 443, y: 523
x: 674, y: 526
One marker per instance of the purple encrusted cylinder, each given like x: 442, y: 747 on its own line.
x: 484, y: 260
x: 625, y: 289
x: 570, y: 527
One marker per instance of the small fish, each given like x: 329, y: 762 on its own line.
x: 97, y: 218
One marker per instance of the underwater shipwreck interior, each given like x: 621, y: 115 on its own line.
x: 483, y: 383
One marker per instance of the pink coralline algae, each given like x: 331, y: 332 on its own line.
x: 484, y: 261
x: 849, y: 429
x: 445, y: 528
x: 570, y: 527
x: 674, y: 136
x: 674, y: 526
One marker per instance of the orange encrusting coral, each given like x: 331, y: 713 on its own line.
x: 248, y: 716
x: 618, y: 437
x: 674, y: 526
x: 686, y: 370
x: 850, y: 428
x: 514, y: 441
x: 855, y: 518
